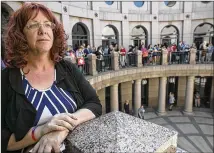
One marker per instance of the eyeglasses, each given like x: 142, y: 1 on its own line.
x: 47, y: 25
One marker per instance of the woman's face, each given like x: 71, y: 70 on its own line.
x: 40, y: 39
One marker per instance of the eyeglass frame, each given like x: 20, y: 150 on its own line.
x: 53, y: 25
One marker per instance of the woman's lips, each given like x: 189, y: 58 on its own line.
x: 42, y: 40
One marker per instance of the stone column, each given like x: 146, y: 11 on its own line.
x: 137, y: 95
x: 65, y: 21
x: 101, y: 94
x: 139, y: 58
x: 114, y: 60
x: 212, y: 96
x: 162, y: 96
x: 192, y: 56
x: 187, y: 22
x: 164, y: 57
x: 92, y: 64
x: 155, y: 23
x: 189, y: 96
x: 114, y: 97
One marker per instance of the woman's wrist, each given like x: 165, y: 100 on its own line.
x: 39, y: 132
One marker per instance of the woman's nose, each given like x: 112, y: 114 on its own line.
x: 41, y: 30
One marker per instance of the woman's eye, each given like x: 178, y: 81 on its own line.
x: 33, y: 26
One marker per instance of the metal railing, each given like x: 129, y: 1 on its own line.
x: 152, y: 59
x: 84, y: 68
x: 203, y: 57
x: 104, y: 63
x: 179, y: 57
x: 132, y: 59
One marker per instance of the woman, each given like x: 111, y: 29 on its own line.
x: 122, y: 56
x: 44, y: 96
x: 145, y: 54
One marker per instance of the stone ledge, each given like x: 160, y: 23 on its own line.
x: 120, y: 132
x: 103, y: 80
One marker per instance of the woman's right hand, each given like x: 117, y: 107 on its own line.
x: 59, y: 122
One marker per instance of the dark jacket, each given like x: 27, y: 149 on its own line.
x: 18, y: 114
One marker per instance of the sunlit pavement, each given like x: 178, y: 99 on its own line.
x: 195, y: 132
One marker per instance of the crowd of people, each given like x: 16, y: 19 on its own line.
x: 151, y: 54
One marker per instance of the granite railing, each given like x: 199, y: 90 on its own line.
x: 118, y: 132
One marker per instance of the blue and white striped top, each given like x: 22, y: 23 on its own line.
x: 48, y: 102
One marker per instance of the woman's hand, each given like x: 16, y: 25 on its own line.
x: 50, y: 142
x: 59, y: 122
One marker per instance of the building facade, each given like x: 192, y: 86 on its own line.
x: 131, y: 23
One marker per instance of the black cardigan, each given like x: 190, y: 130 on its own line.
x: 18, y: 114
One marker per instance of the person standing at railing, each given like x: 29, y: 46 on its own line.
x: 150, y: 51
x: 209, y: 52
x: 169, y: 54
x: 105, y: 52
x: 145, y: 54
x: 110, y: 49
x: 204, y: 51
x: 122, y: 56
x: 87, y: 50
x: 80, y: 58
x: 154, y: 56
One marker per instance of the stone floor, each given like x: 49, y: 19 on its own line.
x: 195, y: 132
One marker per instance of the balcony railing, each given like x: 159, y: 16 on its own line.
x: 114, y: 61
x: 131, y: 60
x: 104, y: 63
x: 203, y: 57
x: 181, y: 57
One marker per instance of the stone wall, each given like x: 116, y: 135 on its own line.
x: 181, y: 91
x: 153, y: 92
x: 126, y: 93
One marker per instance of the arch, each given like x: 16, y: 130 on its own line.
x: 170, y: 35
x: 139, y: 35
x: 110, y: 35
x: 80, y: 35
x: 203, y: 32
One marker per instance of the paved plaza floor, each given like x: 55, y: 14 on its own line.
x: 195, y: 132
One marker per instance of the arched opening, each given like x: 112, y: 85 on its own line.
x: 203, y: 32
x: 169, y: 35
x: 202, y: 86
x: 139, y: 36
x: 80, y: 35
x: 109, y: 35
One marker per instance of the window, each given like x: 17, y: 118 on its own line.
x: 139, y: 3
x: 169, y: 3
x: 109, y: 2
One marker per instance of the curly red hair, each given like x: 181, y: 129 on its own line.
x: 16, y: 46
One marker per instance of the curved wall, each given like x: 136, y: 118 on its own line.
x: 114, y: 77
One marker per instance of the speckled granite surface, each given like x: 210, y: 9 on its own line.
x: 119, y: 132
